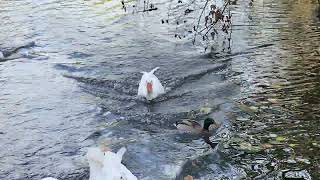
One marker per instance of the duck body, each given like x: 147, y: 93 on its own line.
x: 189, y: 126
x: 107, y: 165
x: 194, y: 127
x: 150, y: 86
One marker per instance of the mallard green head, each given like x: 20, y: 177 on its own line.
x: 207, y: 122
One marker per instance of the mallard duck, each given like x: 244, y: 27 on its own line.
x: 105, y: 165
x: 150, y: 87
x: 192, y: 126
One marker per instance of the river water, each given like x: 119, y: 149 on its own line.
x: 77, y: 88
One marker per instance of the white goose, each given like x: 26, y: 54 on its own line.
x: 150, y: 87
x: 107, y: 165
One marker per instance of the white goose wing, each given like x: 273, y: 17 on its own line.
x: 157, y: 86
x: 142, y: 90
x: 95, y: 158
x: 113, y: 168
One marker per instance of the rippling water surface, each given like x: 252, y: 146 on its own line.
x: 77, y: 88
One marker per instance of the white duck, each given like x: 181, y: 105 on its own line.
x: 150, y: 87
x: 107, y: 165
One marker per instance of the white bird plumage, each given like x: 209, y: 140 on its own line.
x: 1, y: 55
x: 150, y: 86
x: 107, y: 165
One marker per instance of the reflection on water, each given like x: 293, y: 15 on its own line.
x: 83, y: 93
x: 283, y: 82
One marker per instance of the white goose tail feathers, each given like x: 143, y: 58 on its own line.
x: 121, y: 152
x: 107, y: 165
x: 154, y: 70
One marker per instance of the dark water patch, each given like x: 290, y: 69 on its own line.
x: 70, y: 68
x: 202, y: 167
x: 123, y: 87
x: 196, y: 76
x: 242, y: 52
x: 79, y: 55
x: 15, y: 53
x: 9, y: 51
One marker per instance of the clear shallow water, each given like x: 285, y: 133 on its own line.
x: 79, y: 89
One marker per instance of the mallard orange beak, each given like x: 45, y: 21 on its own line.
x: 149, y: 87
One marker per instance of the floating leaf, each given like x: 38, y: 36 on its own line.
x: 276, y: 85
x: 273, y: 135
x: 253, y: 108
x: 306, y: 161
x: 274, y: 101
x: 280, y: 138
x: 77, y: 62
x: 293, y: 145
x: 249, y: 109
x: 242, y: 119
x: 266, y: 146
x: 84, y: 97
x: 245, y: 146
x: 205, y: 110
x: 291, y: 161
x: 275, y: 142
